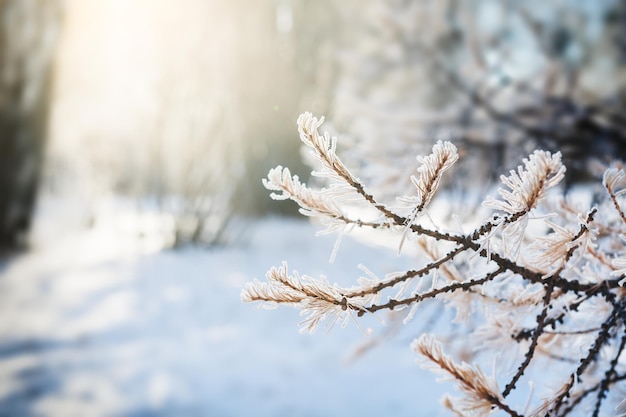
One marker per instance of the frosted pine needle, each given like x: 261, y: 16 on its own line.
x: 430, y: 171
x: 614, y: 180
x: 311, y: 202
x: 481, y: 393
x: 528, y: 185
x: 431, y: 168
x: 315, y: 297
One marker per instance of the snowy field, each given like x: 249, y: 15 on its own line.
x: 100, y: 322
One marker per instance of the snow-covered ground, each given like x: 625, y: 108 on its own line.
x: 99, y: 322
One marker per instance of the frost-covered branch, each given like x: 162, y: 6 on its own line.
x: 538, y: 280
x: 481, y: 392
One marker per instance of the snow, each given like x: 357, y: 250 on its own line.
x: 104, y: 322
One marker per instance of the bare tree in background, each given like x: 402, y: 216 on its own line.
x: 28, y: 30
x: 497, y: 78
x: 231, y: 108
x: 221, y: 93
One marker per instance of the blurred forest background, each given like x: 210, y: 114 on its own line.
x: 131, y: 126
x: 176, y: 110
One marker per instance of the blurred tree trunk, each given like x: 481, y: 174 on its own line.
x: 28, y: 31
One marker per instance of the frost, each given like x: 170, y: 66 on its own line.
x: 536, y: 282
